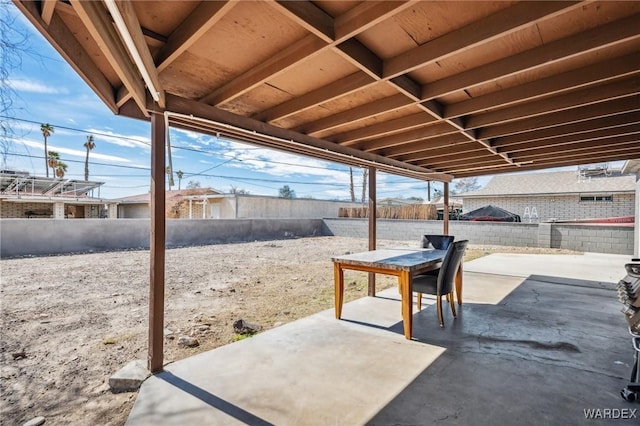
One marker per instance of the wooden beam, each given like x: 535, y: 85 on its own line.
x: 48, y: 7
x: 100, y: 27
x: 361, y: 112
x: 308, y: 16
x: 434, y: 151
x: 596, y: 38
x: 499, y: 24
x: 504, y: 168
x: 277, y: 64
x: 603, y: 71
x: 64, y: 41
x: 565, y: 147
x: 372, y: 225
x: 314, y: 147
x: 436, y: 161
x: 451, y: 139
x: 135, y: 31
x: 338, y: 88
x: 496, y: 167
x: 588, y: 112
x: 436, y: 129
x: 157, y: 244
x: 361, y: 57
x: 557, y: 103
x: 572, y: 138
x: 630, y: 150
x: 383, y: 128
x: 445, y: 215
x: 366, y: 15
x: 569, y: 129
x: 203, y: 17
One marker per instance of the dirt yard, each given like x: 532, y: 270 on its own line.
x: 69, y: 322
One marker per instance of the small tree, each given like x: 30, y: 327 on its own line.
x: 236, y: 190
x: 465, y: 185
x: 47, y: 130
x: 193, y: 184
x: 365, y: 176
x: 286, y: 192
x: 89, y: 145
x: 53, y: 159
x: 180, y: 175
x: 61, y: 169
x: 351, y: 189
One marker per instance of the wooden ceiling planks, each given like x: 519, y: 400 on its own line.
x: 464, y: 88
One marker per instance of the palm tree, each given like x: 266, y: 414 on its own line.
x: 61, y: 169
x: 47, y: 130
x: 180, y: 175
x: 52, y: 161
x: 89, y: 145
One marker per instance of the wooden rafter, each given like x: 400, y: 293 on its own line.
x: 96, y: 19
x: 135, y: 31
x: 482, y: 31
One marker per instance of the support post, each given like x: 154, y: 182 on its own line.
x: 372, y: 225
x: 445, y: 216
x: 157, y: 244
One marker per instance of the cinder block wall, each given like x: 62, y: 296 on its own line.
x: 600, y: 239
x: 566, y: 207
x: 614, y: 239
x: 493, y: 233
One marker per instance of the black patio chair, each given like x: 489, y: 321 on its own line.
x: 442, y: 284
x: 438, y: 242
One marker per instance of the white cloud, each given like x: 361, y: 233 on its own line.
x: 128, y: 141
x: 76, y: 152
x: 32, y: 86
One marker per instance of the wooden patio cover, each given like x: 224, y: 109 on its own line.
x: 424, y: 89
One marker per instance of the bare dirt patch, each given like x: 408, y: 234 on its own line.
x: 69, y: 322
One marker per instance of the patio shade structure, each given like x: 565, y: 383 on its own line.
x: 423, y: 89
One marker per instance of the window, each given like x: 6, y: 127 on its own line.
x: 598, y: 198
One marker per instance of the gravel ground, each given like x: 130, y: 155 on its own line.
x: 69, y: 322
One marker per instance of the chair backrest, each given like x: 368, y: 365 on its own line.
x: 450, y: 264
x: 438, y: 242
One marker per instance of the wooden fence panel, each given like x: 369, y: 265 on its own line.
x: 409, y: 212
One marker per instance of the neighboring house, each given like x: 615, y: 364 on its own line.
x: 24, y: 196
x: 211, y: 204
x: 177, y: 201
x: 595, y: 192
x: 455, y: 206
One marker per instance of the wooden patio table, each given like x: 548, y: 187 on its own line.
x: 403, y: 263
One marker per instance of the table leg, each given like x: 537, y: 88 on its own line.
x: 338, y: 282
x: 407, y: 302
x: 459, y: 284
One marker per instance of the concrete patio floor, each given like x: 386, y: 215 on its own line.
x: 538, y: 340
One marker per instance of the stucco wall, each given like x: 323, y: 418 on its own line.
x: 251, y: 207
x: 274, y: 207
x: 19, y: 237
x: 133, y: 211
x: 565, y: 207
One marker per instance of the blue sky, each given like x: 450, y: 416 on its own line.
x: 49, y: 91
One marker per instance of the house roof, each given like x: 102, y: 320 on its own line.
x: 174, y: 193
x: 565, y: 182
x: 439, y: 202
x: 25, y: 185
x: 425, y: 89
